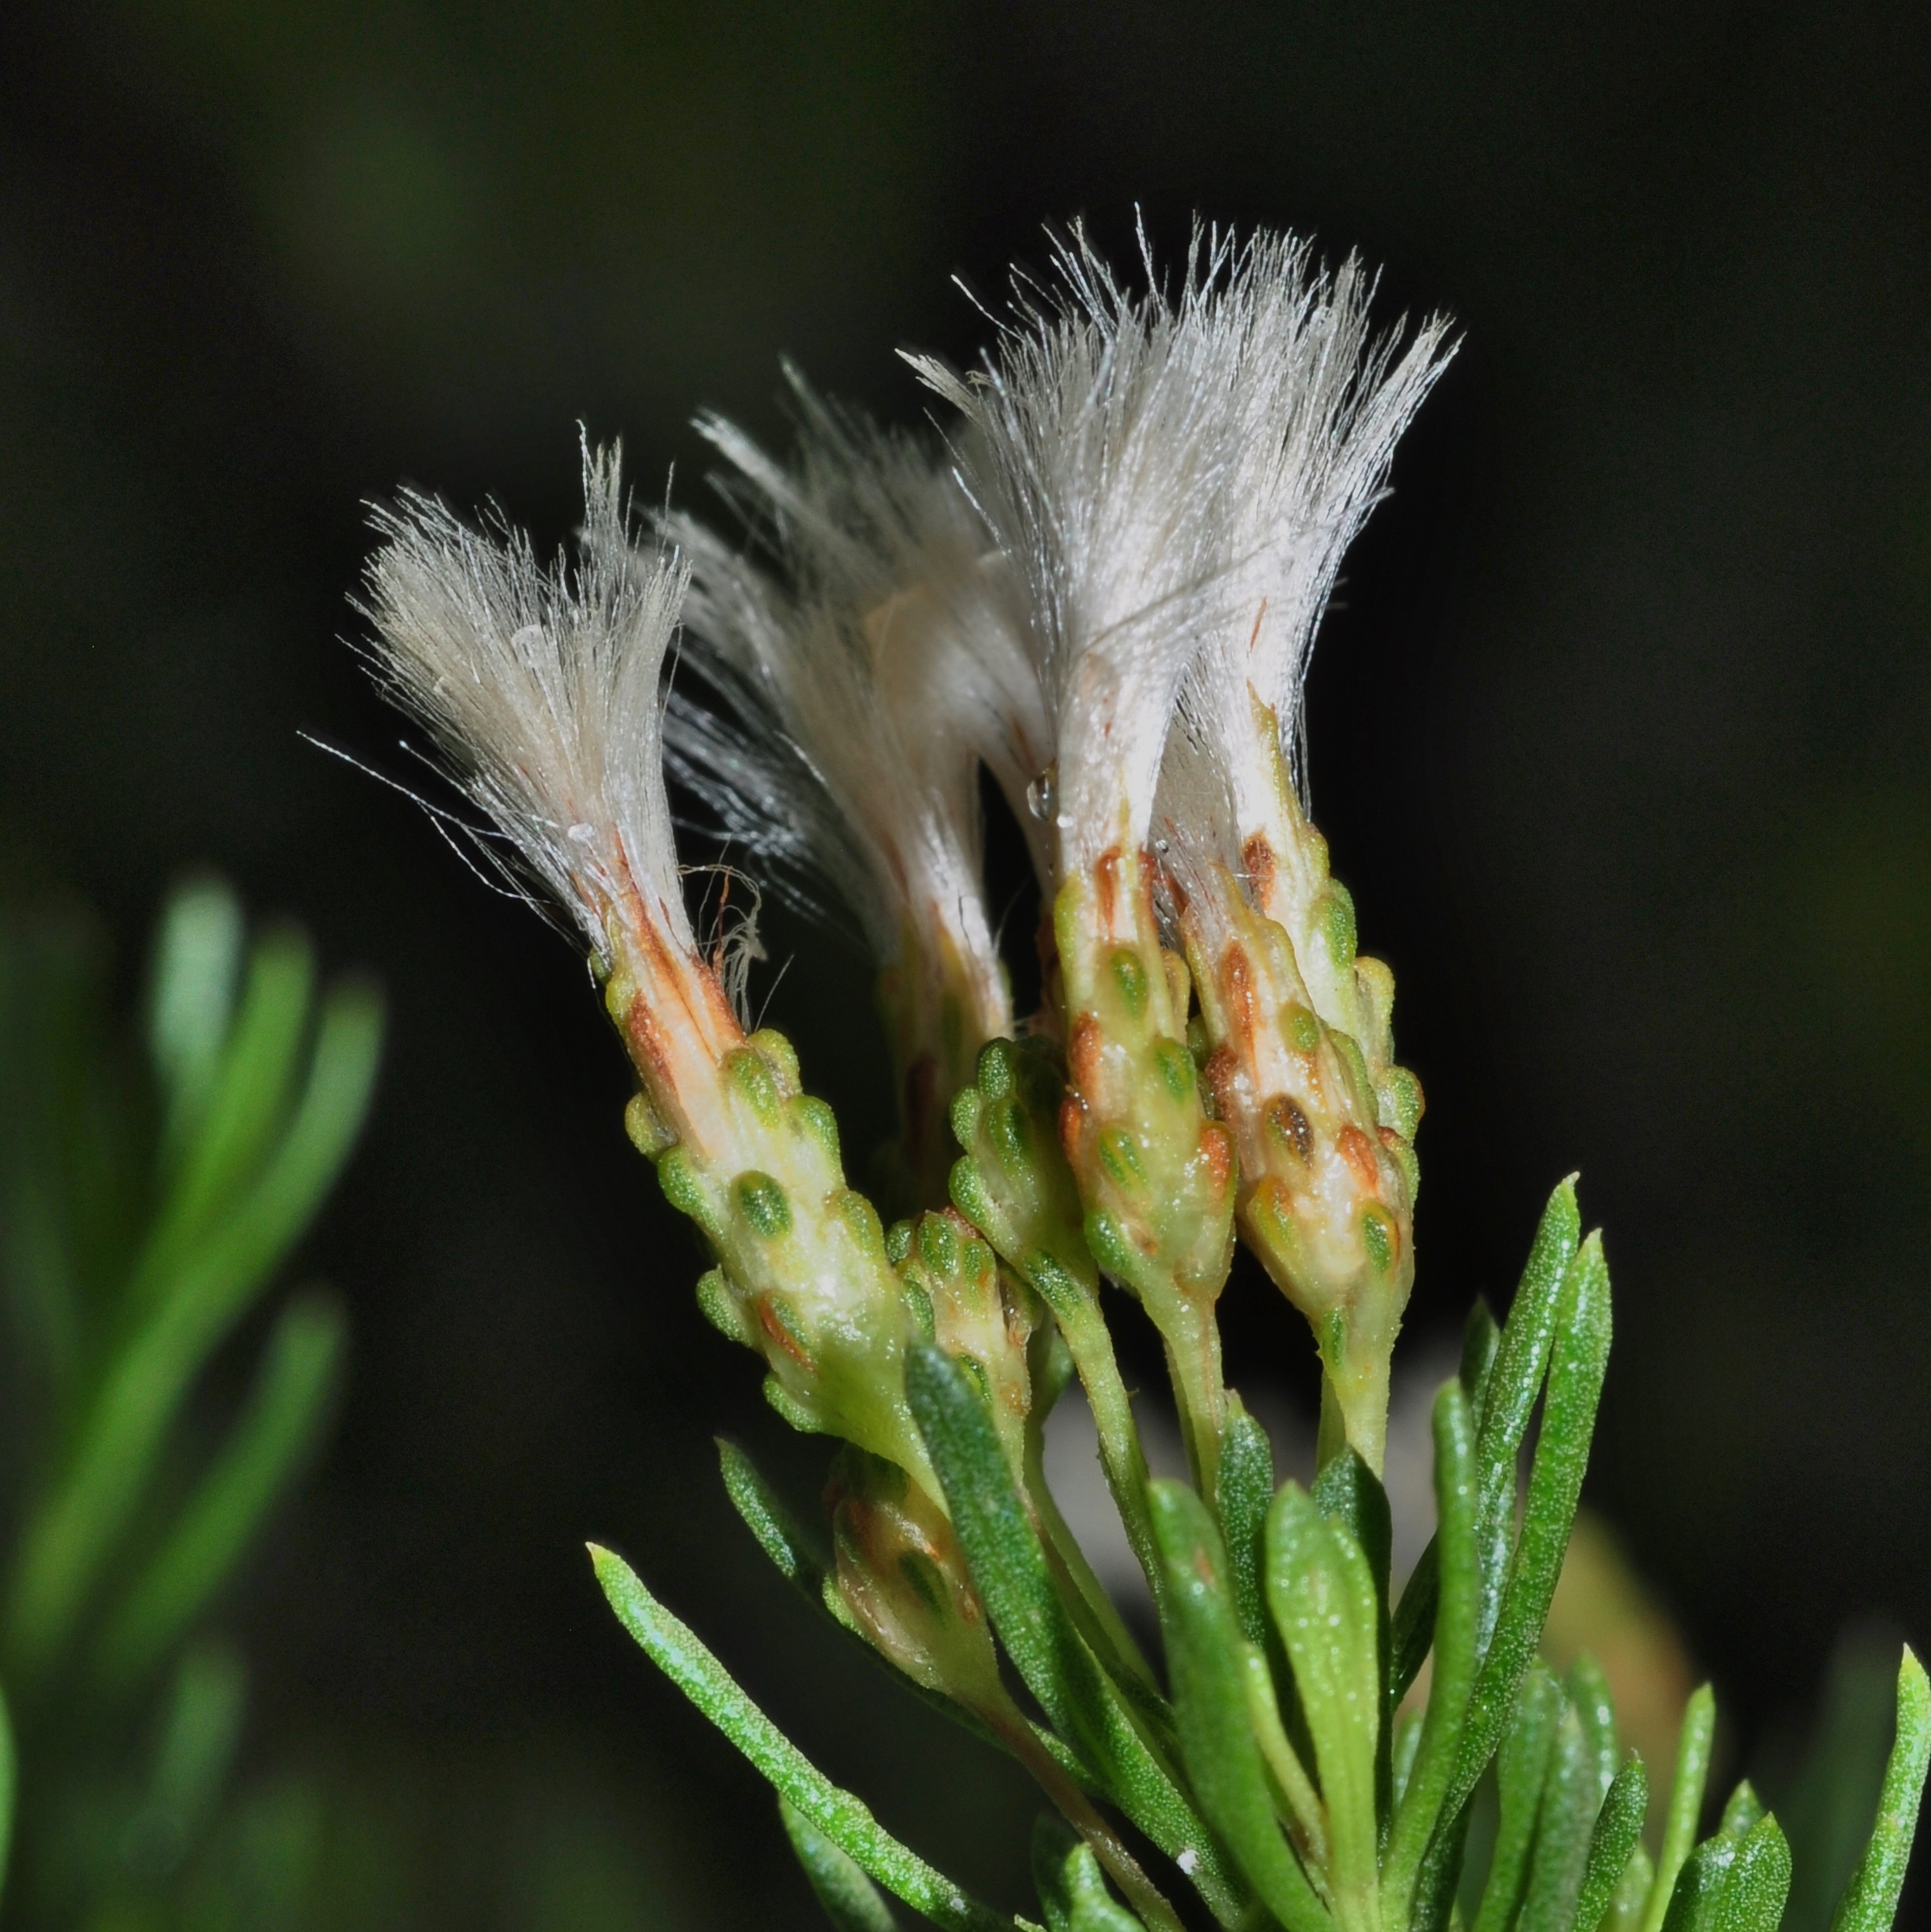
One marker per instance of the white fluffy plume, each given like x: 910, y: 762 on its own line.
x: 1323, y: 401
x: 1175, y: 477
x: 541, y: 687
x: 862, y: 666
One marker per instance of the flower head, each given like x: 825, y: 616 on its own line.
x: 858, y: 672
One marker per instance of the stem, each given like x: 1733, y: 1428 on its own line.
x: 1120, y: 1455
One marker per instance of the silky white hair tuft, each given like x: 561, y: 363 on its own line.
x: 541, y: 688
x: 862, y: 656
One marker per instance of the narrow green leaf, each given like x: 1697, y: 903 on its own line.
x: 1869, y: 1900
x: 1758, y: 1882
x: 1510, y: 1388
x: 1009, y: 1571
x: 1522, y: 1770
x: 72, y: 1535
x: 1071, y: 1885
x: 1246, y: 1488
x: 852, y: 1902
x: 1578, y: 1357
x: 1429, y: 1784
x: 1631, y: 1896
x: 1571, y: 1798
x: 1588, y: 1690
x: 198, y: 1739
x: 1617, y: 1833
x: 845, y: 1819
x: 1480, y: 1342
x: 1696, y: 1898
x: 252, y: 1091
x: 798, y: 1555
x: 1321, y: 1591
x: 1740, y: 1811
x: 1412, y: 1632
x: 197, y: 956
x: 270, y: 1442
x: 1686, y: 1802
x: 1204, y: 1655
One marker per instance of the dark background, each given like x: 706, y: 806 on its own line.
x: 1620, y: 736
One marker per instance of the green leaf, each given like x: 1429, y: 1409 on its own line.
x: 1512, y: 1383
x: 197, y: 956
x: 269, y: 1444
x: 1204, y: 1655
x: 1740, y: 1811
x: 1010, y: 1572
x: 199, y: 1738
x: 852, y: 1902
x: 1870, y: 1902
x: 249, y: 1093
x: 1412, y: 1633
x: 210, y: 1287
x: 1758, y: 1882
x: 1577, y: 1358
x: 1522, y: 1770
x: 1072, y: 1887
x: 798, y: 1555
x: 1617, y: 1834
x: 845, y: 1820
x: 1588, y: 1690
x: 1321, y: 1591
x: 1686, y: 1802
x: 1481, y: 1341
x: 1246, y: 1488
x: 1571, y: 1798
x: 1428, y: 1783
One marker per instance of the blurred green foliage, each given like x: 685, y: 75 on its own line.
x: 150, y: 1197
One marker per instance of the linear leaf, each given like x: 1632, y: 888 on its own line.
x: 1618, y: 1831
x: 1204, y: 1655
x: 1686, y: 1802
x: 70, y: 1537
x: 782, y: 1538
x: 270, y: 1441
x: 1428, y: 1783
x: 1522, y: 1770
x: 845, y: 1819
x: 1758, y: 1882
x: 1869, y: 1900
x: 197, y: 954
x: 1569, y: 1802
x: 1246, y: 1488
x: 1072, y: 1887
x: 1577, y: 1358
x: 1321, y: 1592
x: 852, y: 1902
x: 1010, y: 1572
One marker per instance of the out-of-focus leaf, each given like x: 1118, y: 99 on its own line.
x: 845, y: 1819
x: 852, y: 1902
x: 797, y: 1554
x: 197, y: 957
x: 1588, y: 1690
x: 269, y: 1442
x: 1869, y: 1900
x: 1741, y: 1811
x: 1686, y: 1802
x: 1570, y: 1801
x: 77, y: 1528
x: 1522, y: 1770
x: 198, y: 1739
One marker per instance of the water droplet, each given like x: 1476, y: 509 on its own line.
x: 1042, y: 795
